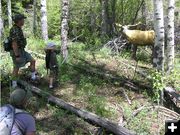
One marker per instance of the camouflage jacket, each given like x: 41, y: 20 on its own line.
x: 16, y: 34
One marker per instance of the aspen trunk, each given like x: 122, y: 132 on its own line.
x: 34, y: 17
x: 170, y: 35
x: 158, y: 53
x: 64, y: 28
x: 1, y: 22
x: 9, y: 13
x: 44, y: 25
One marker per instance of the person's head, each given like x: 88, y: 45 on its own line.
x: 50, y: 46
x: 23, y: 99
x: 19, y: 19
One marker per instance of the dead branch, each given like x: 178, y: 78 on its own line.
x: 125, y: 94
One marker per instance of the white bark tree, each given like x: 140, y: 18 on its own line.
x: 170, y: 35
x: 9, y: 13
x: 158, y: 57
x: 44, y: 25
x: 1, y: 22
x: 34, y: 17
x: 64, y: 28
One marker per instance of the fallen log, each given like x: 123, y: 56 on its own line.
x: 168, y: 90
x: 172, y: 92
x: 87, y: 116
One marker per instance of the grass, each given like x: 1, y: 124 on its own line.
x: 90, y: 91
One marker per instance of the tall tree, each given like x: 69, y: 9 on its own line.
x: 34, y: 17
x: 170, y: 35
x: 44, y: 26
x: 144, y: 12
x: 64, y: 28
x: 112, y: 18
x: 92, y: 15
x: 9, y: 13
x: 104, y: 26
x: 158, y: 57
x: 1, y: 22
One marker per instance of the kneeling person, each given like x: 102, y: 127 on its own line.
x: 14, y: 120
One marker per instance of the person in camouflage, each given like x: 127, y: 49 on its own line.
x: 19, y: 56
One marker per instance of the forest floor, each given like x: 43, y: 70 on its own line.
x: 80, y: 86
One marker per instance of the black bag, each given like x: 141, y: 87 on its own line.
x: 7, y: 44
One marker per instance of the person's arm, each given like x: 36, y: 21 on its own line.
x: 31, y: 133
x: 31, y: 126
x: 15, y: 48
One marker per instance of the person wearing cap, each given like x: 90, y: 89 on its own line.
x: 22, y: 99
x: 19, y: 56
x: 51, y: 63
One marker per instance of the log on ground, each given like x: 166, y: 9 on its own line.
x: 87, y: 116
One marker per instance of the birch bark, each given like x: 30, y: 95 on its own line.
x: 9, y: 13
x: 64, y: 28
x: 170, y: 35
x: 158, y: 53
x: 44, y: 25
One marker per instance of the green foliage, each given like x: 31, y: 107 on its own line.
x: 157, y: 84
x: 53, y: 15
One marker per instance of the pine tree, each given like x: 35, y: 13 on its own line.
x: 64, y: 28
x: 170, y: 35
x: 44, y: 25
x: 9, y: 13
x: 158, y: 56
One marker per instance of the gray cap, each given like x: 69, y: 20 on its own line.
x: 50, y: 45
x: 18, y: 17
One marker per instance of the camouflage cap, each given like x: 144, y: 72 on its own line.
x: 18, y: 17
x: 20, y: 97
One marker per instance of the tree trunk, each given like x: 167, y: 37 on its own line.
x: 122, y: 8
x: 9, y: 13
x: 112, y: 18
x: 88, y: 116
x: 44, y: 25
x: 144, y: 12
x: 34, y: 17
x: 64, y: 28
x: 170, y: 35
x: 1, y: 22
x: 158, y: 53
x: 93, y: 16
x: 104, y: 26
x: 137, y: 11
